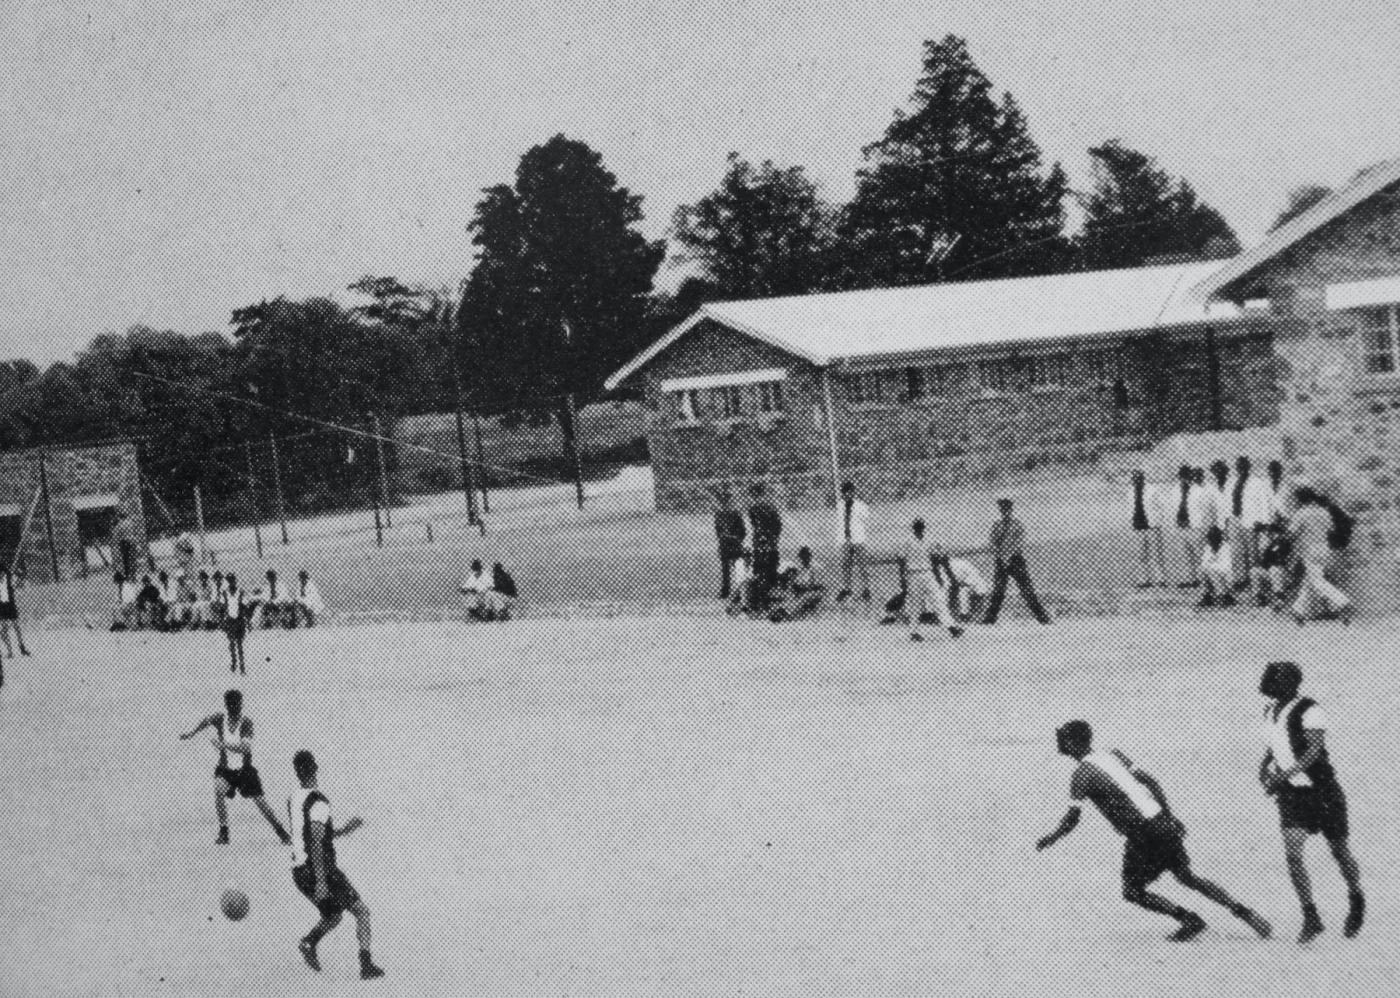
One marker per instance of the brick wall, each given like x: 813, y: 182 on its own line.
x: 71, y: 474
x: 1109, y: 395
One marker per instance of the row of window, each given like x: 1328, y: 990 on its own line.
x: 728, y: 401
x: 1380, y: 339
x: 1000, y: 376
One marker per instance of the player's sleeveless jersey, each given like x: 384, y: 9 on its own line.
x: 1106, y: 779
x: 1287, y: 743
x: 236, y: 760
x: 307, y: 804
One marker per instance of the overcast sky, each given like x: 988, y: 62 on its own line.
x: 167, y: 162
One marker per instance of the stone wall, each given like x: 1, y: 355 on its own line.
x: 72, y: 474
x: 1120, y: 394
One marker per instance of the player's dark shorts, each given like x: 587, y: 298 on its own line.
x: 340, y: 893
x: 1152, y: 850
x: 1317, y: 810
x: 245, y: 781
x: 235, y: 628
x: 9, y: 611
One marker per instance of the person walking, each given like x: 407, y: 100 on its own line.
x: 852, y: 535
x: 1313, y: 539
x: 1008, y: 552
x: 729, y: 540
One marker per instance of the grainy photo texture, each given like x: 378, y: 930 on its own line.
x: 734, y: 497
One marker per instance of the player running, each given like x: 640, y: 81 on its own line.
x: 234, y: 773
x: 1133, y: 803
x: 1296, y: 772
x: 314, y: 869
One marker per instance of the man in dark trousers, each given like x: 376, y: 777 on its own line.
x: 1008, y: 543
x: 729, y: 538
x: 1297, y: 773
x: 766, y: 524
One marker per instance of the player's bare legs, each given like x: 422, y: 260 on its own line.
x: 1210, y: 889
x: 307, y: 944
x: 1294, y: 839
x: 1351, y: 873
x: 1191, y: 923
x: 271, y: 817
x: 221, y: 789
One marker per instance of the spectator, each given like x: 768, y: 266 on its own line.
x: 1218, y: 488
x: 9, y: 612
x: 125, y: 615
x: 852, y: 535
x: 765, y: 527
x: 969, y: 590
x: 473, y: 589
x: 276, y: 606
x: 1218, y: 569
x: 803, y: 590
x: 307, y: 604
x: 1250, y: 506
x: 1008, y: 541
x: 1314, y: 526
x: 1278, y: 493
x: 1147, y: 520
x: 1186, y: 529
x: 926, y: 583
x: 1271, y: 571
x: 729, y: 538
x: 124, y: 536
x: 741, y: 594
x: 150, y: 608
x: 179, y: 605
x: 1202, y: 515
x: 501, y: 597
x: 202, y: 613
x: 220, y: 585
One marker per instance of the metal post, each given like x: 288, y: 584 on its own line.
x: 204, y: 558
x: 253, y: 499
x: 574, y: 446
x: 378, y: 522
x: 831, y: 434
x: 468, y: 488
x: 481, y: 465
x: 48, y: 512
x: 277, y: 497
x: 383, y: 478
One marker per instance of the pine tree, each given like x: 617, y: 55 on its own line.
x: 1138, y: 214
x: 956, y: 188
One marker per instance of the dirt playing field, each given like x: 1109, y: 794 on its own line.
x: 679, y: 807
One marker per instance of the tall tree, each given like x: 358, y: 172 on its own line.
x: 559, y: 292
x: 955, y: 188
x: 764, y: 231
x: 1137, y: 213
x: 1300, y: 199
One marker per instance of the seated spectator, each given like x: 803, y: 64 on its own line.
x: 742, y: 585
x: 498, y: 601
x: 1218, y: 571
x: 968, y: 593
x: 801, y: 590
x: 178, y: 597
x: 273, y: 605
x: 1272, y: 571
x: 125, y: 615
x: 307, y: 604
x: 473, y: 589
x: 202, y: 614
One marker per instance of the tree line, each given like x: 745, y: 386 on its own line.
x: 561, y: 291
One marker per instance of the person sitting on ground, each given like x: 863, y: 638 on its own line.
x: 1272, y: 570
x: 307, y: 604
x: 473, y: 589
x: 1218, y: 571
x: 741, y: 582
x: 969, y: 589
x: 125, y: 615
x: 179, y: 602
x: 803, y: 592
x: 150, y: 611
x: 500, y: 599
x: 273, y: 604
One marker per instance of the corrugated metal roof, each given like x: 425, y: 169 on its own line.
x: 1366, y: 185
x: 826, y: 328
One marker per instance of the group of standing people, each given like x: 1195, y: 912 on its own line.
x: 1242, y: 533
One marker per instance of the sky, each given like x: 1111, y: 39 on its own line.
x: 165, y: 162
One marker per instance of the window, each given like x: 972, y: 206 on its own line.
x: 687, y: 406
x: 770, y: 396
x: 1100, y: 367
x: 866, y: 387
x: 731, y: 401
x: 998, y: 377
x: 929, y: 382
x: 1047, y: 372
x: 1380, y: 339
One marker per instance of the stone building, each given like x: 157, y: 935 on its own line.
x: 1329, y: 282
x: 908, y: 389
x: 59, y: 509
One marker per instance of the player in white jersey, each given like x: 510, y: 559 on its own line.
x: 927, y: 580
x: 235, y: 774
x: 1297, y: 773
x: 1133, y: 803
x: 314, y: 870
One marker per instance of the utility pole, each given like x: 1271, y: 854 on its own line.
x: 468, y: 490
x: 571, y: 431
x: 48, y: 512
x: 253, y: 499
x: 199, y: 523
x: 481, y: 464
x: 383, y: 477
x: 277, y: 497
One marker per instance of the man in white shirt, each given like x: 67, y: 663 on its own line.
x: 1200, y: 517
x: 1250, y: 505
x: 926, y: 582
x: 1147, y: 520
x: 969, y: 591
x: 1218, y: 569
x: 1311, y: 524
x: 852, y: 536
x: 307, y: 603
x: 1298, y: 774
x: 474, y: 588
